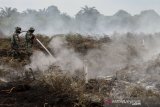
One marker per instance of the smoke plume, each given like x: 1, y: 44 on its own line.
x: 66, y: 59
x: 87, y: 21
x: 132, y: 57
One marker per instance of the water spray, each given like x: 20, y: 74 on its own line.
x: 41, y: 45
x: 85, y: 70
x: 44, y: 47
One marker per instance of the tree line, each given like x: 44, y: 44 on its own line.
x: 88, y: 20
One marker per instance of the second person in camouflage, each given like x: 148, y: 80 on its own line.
x: 29, y: 38
x: 15, y: 41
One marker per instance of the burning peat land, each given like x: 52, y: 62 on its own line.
x: 83, y: 71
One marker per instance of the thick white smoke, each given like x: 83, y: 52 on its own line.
x: 87, y: 21
x: 134, y: 57
x: 65, y: 58
x: 40, y: 61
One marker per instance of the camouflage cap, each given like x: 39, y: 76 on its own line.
x: 18, y: 29
x: 31, y: 29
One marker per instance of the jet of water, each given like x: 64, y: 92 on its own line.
x: 44, y: 47
x: 85, y: 70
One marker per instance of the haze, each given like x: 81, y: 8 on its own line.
x: 71, y: 7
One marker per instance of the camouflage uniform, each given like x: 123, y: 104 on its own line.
x: 15, y: 42
x: 29, y: 37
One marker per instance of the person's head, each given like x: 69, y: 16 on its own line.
x: 18, y: 30
x: 31, y: 30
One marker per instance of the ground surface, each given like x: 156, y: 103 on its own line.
x: 28, y: 89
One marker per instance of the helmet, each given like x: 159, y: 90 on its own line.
x: 31, y: 29
x: 18, y: 29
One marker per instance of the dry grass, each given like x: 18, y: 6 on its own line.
x: 4, y: 43
x: 55, y: 88
x: 82, y: 44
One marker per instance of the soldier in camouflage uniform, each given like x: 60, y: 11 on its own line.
x: 15, y: 40
x: 29, y: 38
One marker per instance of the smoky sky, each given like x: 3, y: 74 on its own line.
x: 81, y: 16
x: 71, y: 7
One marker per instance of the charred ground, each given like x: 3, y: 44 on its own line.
x: 57, y: 89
